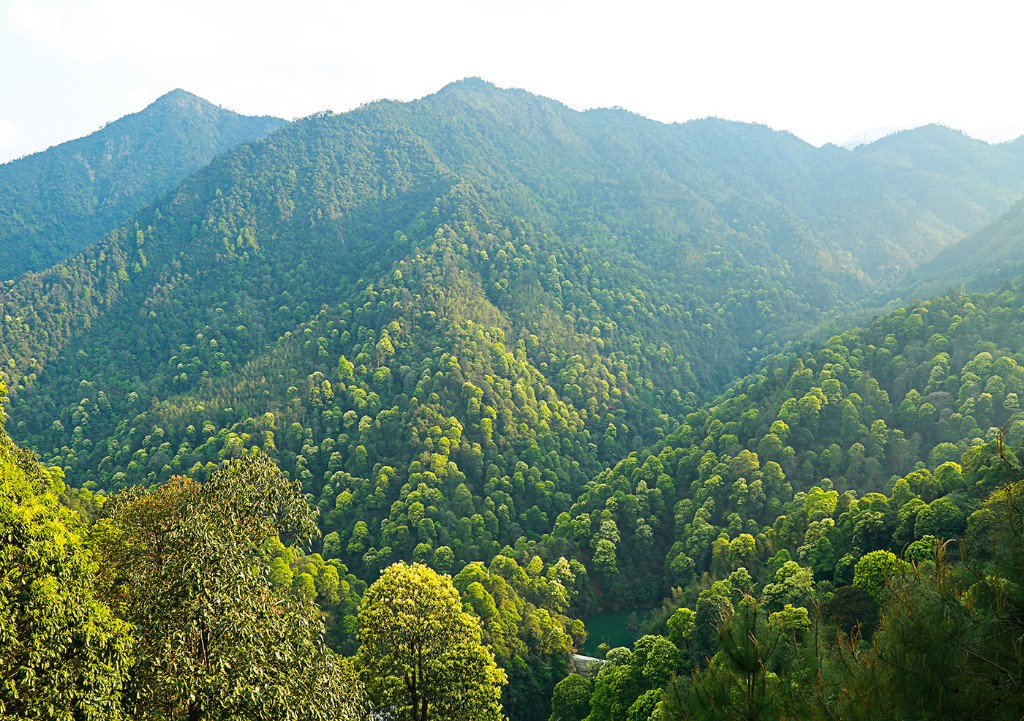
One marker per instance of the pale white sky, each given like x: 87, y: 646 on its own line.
x: 826, y: 71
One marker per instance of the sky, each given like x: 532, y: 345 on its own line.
x: 827, y: 71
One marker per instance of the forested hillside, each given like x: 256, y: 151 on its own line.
x: 982, y: 261
x: 500, y: 338
x: 866, y: 487
x: 907, y: 395
x: 56, y: 202
x: 630, y: 267
x: 158, y: 604
x: 815, y: 494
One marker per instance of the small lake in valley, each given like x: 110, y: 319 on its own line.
x: 615, y: 628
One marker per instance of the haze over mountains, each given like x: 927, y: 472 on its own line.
x: 990, y: 257
x: 747, y: 189
x: 484, y: 326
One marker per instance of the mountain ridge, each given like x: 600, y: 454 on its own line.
x: 981, y: 262
x: 491, y: 334
x: 56, y: 202
x: 596, y: 268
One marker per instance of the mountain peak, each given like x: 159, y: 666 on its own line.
x: 182, y: 99
x: 471, y: 83
x: 933, y: 134
x: 110, y: 174
x: 178, y: 94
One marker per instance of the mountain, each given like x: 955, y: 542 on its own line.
x: 906, y: 397
x: 982, y: 261
x: 465, y: 307
x: 56, y: 202
x: 500, y: 337
x: 937, y: 186
x: 845, y: 506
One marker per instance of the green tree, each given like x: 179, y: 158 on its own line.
x: 571, y: 698
x: 739, y: 684
x: 681, y: 625
x: 617, y: 686
x: 949, y: 645
x: 851, y: 608
x: 657, y: 659
x: 940, y: 518
x: 420, y: 654
x: 874, y: 571
x: 712, y: 613
x: 63, y: 654
x: 793, y: 584
x: 216, y: 639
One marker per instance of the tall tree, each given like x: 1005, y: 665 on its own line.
x: 63, y: 654
x: 421, y: 654
x: 215, y: 640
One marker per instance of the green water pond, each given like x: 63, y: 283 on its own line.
x: 615, y: 628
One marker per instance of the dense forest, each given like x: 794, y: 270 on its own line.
x: 442, y: 380
x: 991, y: 258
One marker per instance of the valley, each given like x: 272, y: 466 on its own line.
x: 580, y: 362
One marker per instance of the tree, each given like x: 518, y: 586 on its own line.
x: 793, y: 584
x: 874, y: 571
x: 421, y: 655
x: 712, y: 613
x: 63, y: 654
x: 738, y: 684
x: 949, y: 645
x: 571, y: 698
x: 657, y: 659
x: 216, y: 640
x: 681, y: 625
x: 940, y: 518
x: 851, y: 608
x: 617, y: 686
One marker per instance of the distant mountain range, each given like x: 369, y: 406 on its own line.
x: 988, y: 258
x: 596, y: 268
x: 993, y: 134
x: 55, y: 203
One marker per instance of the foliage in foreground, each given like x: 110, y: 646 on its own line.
x: 422, y: 656
x: 948, y: 645
x: 169, y: 613
x: 63, y: 653
x: 215, y: 641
